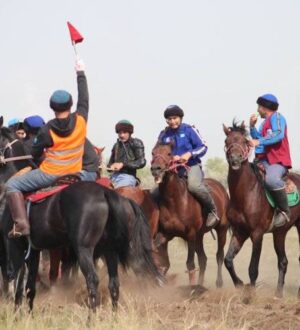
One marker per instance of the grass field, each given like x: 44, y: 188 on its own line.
x: 173, y: 307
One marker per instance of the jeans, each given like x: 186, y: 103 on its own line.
x: 123, y: 180
x: 87, y: 176
x: 195, y: 180
x: 30, y: 181
x: 274, y: 174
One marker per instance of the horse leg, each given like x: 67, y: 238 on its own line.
x: 257, y: 239
x: 279, y: 245
x: 221, y: 234
x: 55, y: 256
x: 161, y: 258
x: 33, y: 267
x: 202, y: 259
x: 236, y: 243
x: 298, y: 229
x: 190, y: 263
x: 86, y: 264
x: 113, y: 284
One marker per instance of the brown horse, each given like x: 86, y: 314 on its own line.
x: 249, y: 213
x: 182, y: 216
x: 143, y: 198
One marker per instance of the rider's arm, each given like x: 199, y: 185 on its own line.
x: 278, y: 125
x: 83, y: 95
x: 199, y: 147
x: 42, y: 141
x: 112, y: 157
x: 255, y: 133
x: 139, y: 155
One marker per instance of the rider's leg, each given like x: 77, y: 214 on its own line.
x: 197, y: 187
x: 275, y: 184
x: 14, y: 187
x: 123, y: 180
x: 88, y: 176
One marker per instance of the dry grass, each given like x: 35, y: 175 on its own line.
x: 172, y: 307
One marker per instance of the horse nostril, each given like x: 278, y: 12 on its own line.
x: 155, y: 168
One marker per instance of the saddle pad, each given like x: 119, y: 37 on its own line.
x: 104, y: 181
x: 43, y: 193
x: 293, y: 198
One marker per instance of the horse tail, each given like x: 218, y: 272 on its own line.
x: 141, y: 246
x: 117, y: 227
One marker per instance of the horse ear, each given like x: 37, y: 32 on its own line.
x: 226, y: 129
x: 1, y: 121
x: 243, y: 126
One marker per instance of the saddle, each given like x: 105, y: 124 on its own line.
x: 290, y: 188
x: 60, y: 184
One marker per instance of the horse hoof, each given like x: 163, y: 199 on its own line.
x: 278, y: 295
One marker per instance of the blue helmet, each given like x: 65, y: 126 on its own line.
x: 268, y: 101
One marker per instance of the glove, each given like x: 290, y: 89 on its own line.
x: 79, y: 65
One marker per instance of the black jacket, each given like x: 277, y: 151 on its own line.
x: 131, y: 153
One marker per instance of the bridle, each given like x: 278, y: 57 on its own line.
x: 245, y: 151
x: 172, y: 165
x: 8, y: 146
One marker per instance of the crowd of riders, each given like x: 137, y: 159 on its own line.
x: 60, y: 147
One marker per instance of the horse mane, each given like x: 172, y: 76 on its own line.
x: 7, y: 133
x: 241, y: 128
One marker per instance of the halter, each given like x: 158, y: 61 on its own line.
x: 4, y: 160
x: 173, y: 165
x: 245, y: 152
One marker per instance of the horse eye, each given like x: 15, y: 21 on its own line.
x: 169, y: 154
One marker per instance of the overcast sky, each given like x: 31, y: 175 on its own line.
x: 213, y: 58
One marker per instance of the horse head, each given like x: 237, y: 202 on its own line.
x: 12, y: 153
x: 237, y: 145
x: 161, y: 160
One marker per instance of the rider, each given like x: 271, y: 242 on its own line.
x: 32, y: 125
x: 189, y: 148
x: 17, y: 127
x: 127, y: 156
x: 62, y: 141
x: 272, y: 135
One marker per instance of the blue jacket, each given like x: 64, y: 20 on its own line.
x: 186, y: 138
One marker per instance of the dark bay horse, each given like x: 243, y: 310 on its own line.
x: 93, y: 220
x: 182, y: 216
x: 249, y: 213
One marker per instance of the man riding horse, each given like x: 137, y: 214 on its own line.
x: 127, y: 156
x: 275, y: 155
x: 61, y: 141
x: 189, y: 148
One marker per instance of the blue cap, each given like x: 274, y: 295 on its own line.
x: 268, y: 101
x: 61, y: 100
x: 13, y: 122
x: 34, y: 121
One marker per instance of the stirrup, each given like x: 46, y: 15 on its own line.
x: 216, y: 219
x: 13, y: 233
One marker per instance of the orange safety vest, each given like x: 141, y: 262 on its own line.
x: 65, y: 156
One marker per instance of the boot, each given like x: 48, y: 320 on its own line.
x: 18, y: 212
x: 205, y: 199
x: 282, y: 212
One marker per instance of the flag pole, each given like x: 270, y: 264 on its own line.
x: 75, y: 49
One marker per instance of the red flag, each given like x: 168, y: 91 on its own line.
x: 76, y: 37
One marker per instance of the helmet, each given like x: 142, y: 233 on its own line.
x: 61, y: 101
x: 173, y: 110
x: 268, y: 101
x: 124, y: 125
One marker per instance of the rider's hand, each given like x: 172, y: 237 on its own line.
x: 79, y: 65
x: 116, y: 166
x: 185, y: 157
x: 176, y: 158
x: 253, y: 119
x: 254, y: 142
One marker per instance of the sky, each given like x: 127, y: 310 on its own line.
x: 213, y: 58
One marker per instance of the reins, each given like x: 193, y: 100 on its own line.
x: 4, y: 160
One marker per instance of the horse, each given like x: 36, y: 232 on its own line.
x: 249, y: 213
x: 90, y: 218
x: 181, y: 215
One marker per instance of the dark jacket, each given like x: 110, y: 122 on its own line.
x: 63, y: 127
x: 90, y: 158
x: 131, y: 153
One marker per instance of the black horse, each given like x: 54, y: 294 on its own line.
x: 93, y: 220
